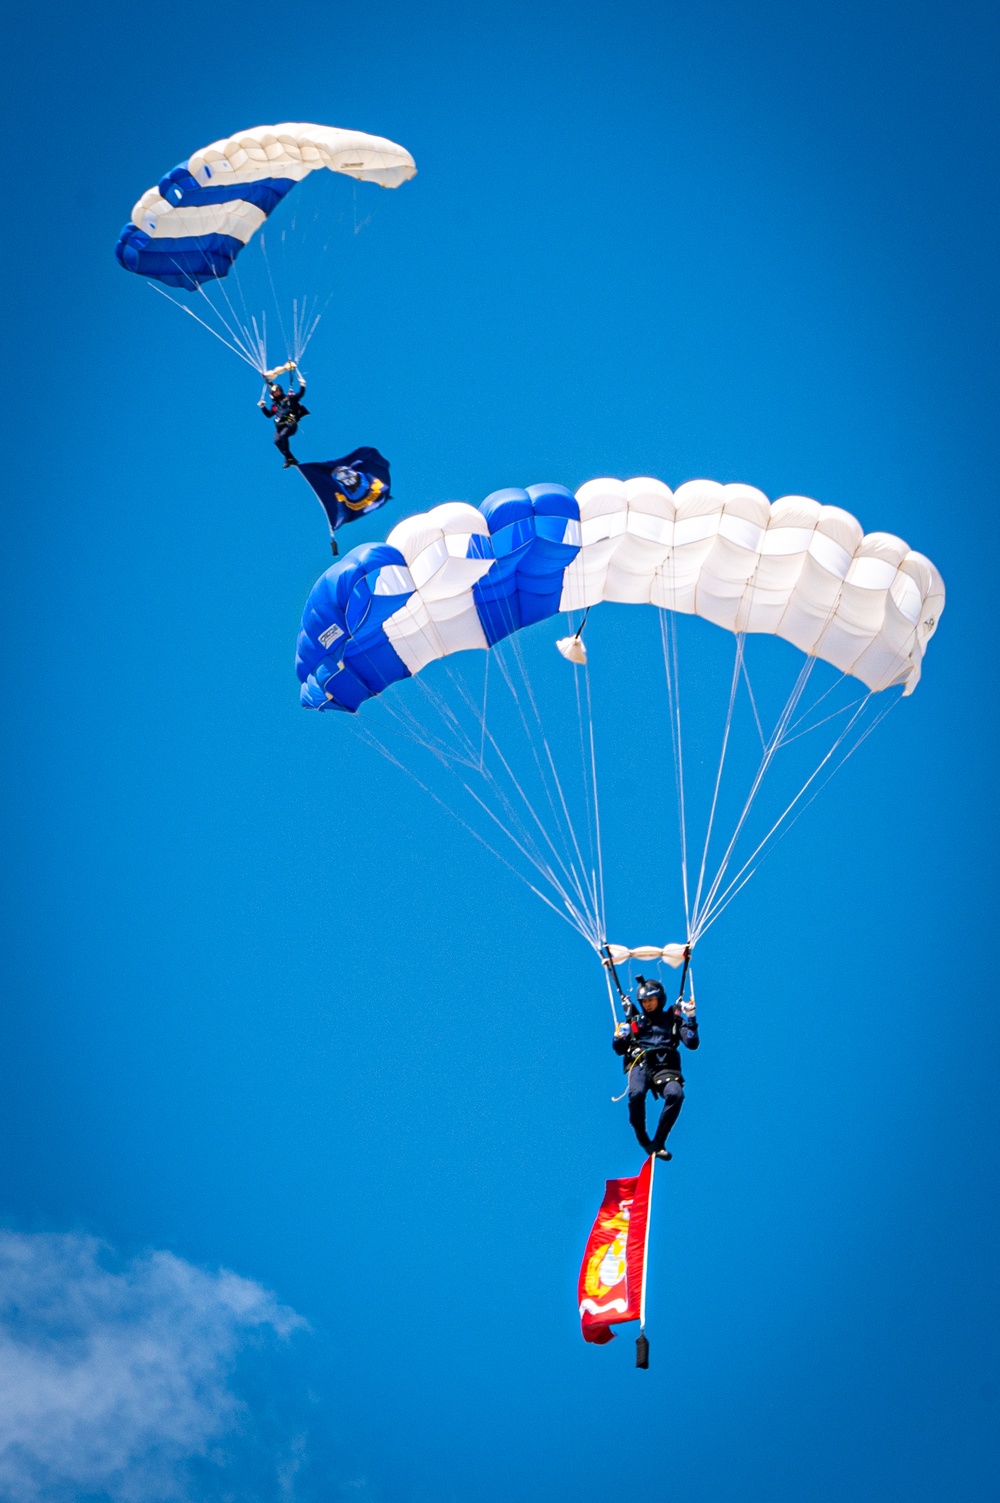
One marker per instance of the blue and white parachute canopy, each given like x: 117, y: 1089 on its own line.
x: 460, y: 577
x: 191, y: 227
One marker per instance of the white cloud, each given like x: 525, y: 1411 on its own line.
x: 112, y: 1382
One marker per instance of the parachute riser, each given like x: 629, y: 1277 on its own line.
x: 623, y: 996
x: 684, y: 973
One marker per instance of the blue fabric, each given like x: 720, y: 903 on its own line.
x: 343, y: 502
x: 527, y: 530
x: 532, y: 537
x: 184, y: 262
x: 346, y: 669
x: 189, y: 260
x: 179, y: 187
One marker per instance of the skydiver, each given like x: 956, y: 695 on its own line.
x: 649, y: 1043
x: 286, y: 408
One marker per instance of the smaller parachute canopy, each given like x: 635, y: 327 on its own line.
x: 191, y: 227
x: 573, y: 649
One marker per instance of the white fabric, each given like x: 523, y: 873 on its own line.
x: 573, y: 649
x: 295, y: 149
x: 441, y: 616
x: 290, y: 151
x: 162, y: 220
x: 868, y: 604
x: 672, y: 954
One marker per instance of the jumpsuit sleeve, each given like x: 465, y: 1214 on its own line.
x: 689, y: 1032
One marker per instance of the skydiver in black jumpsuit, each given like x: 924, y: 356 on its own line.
x: 649, y: 1043
x: 287, y: 410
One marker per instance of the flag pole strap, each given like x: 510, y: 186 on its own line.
x: 642, y: 1344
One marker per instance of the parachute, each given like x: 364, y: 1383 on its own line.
x: 191, y: 227
x: 460, y: 577
x: 187, y: 232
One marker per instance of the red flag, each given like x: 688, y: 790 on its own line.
x: 612, y: 1284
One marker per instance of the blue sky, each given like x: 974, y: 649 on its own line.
x: 267, y: 1010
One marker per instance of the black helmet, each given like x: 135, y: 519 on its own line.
x: 649, y: 989
x: 277, y: 390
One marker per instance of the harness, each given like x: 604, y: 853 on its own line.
x: 288, y: 409
x: 659, y: 1074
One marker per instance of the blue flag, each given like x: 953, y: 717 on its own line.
x: 347, y: 488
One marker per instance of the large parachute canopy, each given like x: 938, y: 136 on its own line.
x: 522, y: 748
x: 461, y: 577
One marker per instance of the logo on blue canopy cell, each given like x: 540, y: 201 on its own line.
x: 331, y: 635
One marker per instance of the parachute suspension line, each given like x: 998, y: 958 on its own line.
x: 599, y: 896
x: 580, y: 921
x: 573, y: 920
x: 740, y: 880
x: 362, y: 224
x: 587, y: 892
x: 567, y: 821
x: 247, y: 322
x: 274, y: 294
x: 584, y: 770
x: 314, y: 325
x: 365, y: 735
x: 774, y: 742
x: 733, y: 687
x: 668, y: 637
x: 260, y: 338
x: 192, y: 314
x: 753, y: 705
x: 486, y: 686
x: 515, y: 830
x: 300, y: 324
x: 562, y: 827
x: 834, y: 715
x: 766, y: 761
x: 220, y: 283
x: 565, y: 864
x: 588, y: 782
x: 250, y: 323
x: 580, y: 901
x: 242, y: 337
